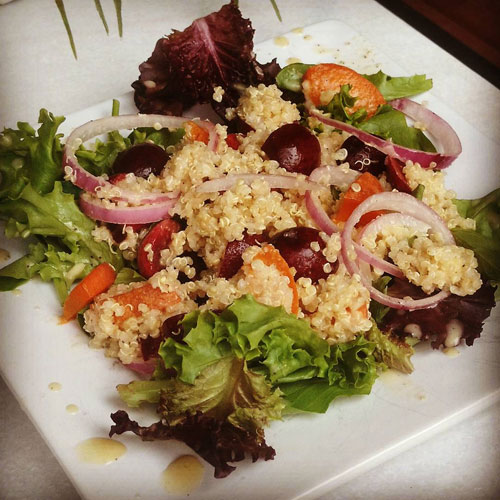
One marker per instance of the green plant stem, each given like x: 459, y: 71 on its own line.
x: 118, y: 8
x: 98, y: 7
x: 276, y: 9
x: 62, y: 11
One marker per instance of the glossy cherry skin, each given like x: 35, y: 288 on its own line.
x: 149, y: 251
x: 171, y: 328
x: 362, y: 157
x: 396, y: 176
x: 141, y: 160
x: 232, y: 259
x: 294, y: 245
x: 294, y: 147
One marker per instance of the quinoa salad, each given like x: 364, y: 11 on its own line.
x: 335, y: 305
x: 256, y: 265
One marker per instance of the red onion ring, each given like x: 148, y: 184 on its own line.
x: 375, y: 261
x: 338, y: 176
x: 274, y: 181
x: 92, y: 207
x: 409, y: 206
x: 375, y: 226
x: 88, y: 182
x: 333, y: 175
x: 399, y: 219
x: 438, y: 127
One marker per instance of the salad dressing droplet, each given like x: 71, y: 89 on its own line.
x: 298, y: 31
x: 454, y: 331
x: 281, y: 41
x: 293, y: 60
x: 100, y: 451
x: 452, y: 352
x: 55, y: 386
x: 72, y: 409
x: 183, y: 475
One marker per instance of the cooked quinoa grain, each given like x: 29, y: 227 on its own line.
x: 436, y: 195
x: 262, y: 108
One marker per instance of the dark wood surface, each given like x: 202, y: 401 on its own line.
x: 467, y: 29
x: 473, y: 22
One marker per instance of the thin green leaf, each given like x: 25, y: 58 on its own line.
x: 118, y: 8
x: 98, y: 7
x: 62, y: 11
x: 276, y: 9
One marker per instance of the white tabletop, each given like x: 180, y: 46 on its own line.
x: 38, y: 70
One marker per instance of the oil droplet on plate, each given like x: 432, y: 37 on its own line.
x: 307, y: 37
x: 298, y: 31
x: 183, y: 475
x: 100, y: 451
x: 281, y: 41
x: 55, y: 386
x: 72, y: 409
x: 293, y: 60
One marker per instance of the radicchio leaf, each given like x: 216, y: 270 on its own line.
x: 470, y: 311
x: 216, y: 441
x: 216, y: 50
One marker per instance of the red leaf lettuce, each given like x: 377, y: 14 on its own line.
x: 184, y: 68
x: 470, y: 311
x: 217, y: 441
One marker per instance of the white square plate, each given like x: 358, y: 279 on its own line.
x: 314, y: 452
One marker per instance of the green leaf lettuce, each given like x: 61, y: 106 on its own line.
x: 485, y: 239
x: 395, y: 87
x: 65, y: 250
x: 274, y: 344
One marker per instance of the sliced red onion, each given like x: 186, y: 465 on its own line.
x: 338, y: 176
x: 333, y: 176
x: 375, y: 226
x: 438, y: 127
x: 318, y: 214
x: 134, y: 198
x: 366, y: 256
x: 406, y: 204
x: 392, y: 219
x: 274, y: 181
x: 85, y: 180
x: 114, y: 214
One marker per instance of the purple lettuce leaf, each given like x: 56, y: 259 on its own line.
x: 471, y: 311
x: 184, y: 68
x: 216, y: 441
